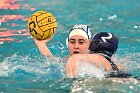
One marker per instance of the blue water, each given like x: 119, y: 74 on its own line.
x: 24, y: 70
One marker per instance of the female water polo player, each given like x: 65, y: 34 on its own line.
x: 78, y: 41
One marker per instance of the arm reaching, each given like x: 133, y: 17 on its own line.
x: 41, y: 44
x: 94, y: 59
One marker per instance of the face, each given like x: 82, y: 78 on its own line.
x: 78, y: 45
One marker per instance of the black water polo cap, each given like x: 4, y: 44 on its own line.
x: 105, y: 43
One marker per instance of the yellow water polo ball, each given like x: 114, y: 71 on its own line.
x: 42, y: 25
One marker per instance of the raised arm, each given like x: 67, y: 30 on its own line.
x: 41, y: 44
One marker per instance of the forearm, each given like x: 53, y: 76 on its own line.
x: 94, y: 59
x: 44, y: 50
x: 83, y: 58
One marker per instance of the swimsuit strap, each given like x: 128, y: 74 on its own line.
x: 114, y: 66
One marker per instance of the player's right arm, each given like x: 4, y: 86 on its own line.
x: 41, y: 44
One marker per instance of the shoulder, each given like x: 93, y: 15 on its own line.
x: 94, y: 58
x: 120, y: 66
x: 98, y: 60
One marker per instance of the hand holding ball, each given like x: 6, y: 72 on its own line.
x: 42, y: 25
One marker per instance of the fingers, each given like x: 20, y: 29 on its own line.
x: 75, y: 71
x: 42, y: 41
x: 72, y: 70
x: 68, y: 71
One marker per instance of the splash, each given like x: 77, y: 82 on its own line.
x: 24, y: 66
x: 89, y: 70
x: 103, y: 85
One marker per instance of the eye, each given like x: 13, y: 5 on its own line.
x: 72, y: 41
x: 81, y: 42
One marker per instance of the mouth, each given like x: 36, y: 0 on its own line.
x: 76, y: 52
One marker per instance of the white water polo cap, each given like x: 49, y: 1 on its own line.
x: 82, y: 30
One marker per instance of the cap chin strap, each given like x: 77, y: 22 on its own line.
x: 67, y: 42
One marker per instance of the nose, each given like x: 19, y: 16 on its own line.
x: 76, y: 45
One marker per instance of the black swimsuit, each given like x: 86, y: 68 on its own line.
x: 116, y: 72
x: 114, y: 66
